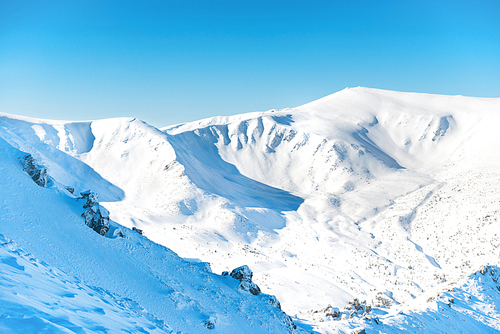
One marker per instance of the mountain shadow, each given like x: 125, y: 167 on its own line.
x: 205, y: 167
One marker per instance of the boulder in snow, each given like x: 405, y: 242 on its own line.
x: 90, y: 197
x: 97, y: 218
x: 244, y: 275
x: 37, y: 173
x: 137, y: 230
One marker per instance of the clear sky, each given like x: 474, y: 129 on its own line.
x: 174, y: 61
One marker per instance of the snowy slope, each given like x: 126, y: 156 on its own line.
x: 387, y: 197
x: 60, y: 275
x: 36, y: 298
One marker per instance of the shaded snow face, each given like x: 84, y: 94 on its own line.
x: 205, y: 167
x: 38, y: 298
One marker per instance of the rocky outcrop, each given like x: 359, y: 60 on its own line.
x: 90, y: 198
x: 36, y: 172
x: 137, y: 230
x: 244, y: 275
x: 96, y: 216
x: 271, y: 300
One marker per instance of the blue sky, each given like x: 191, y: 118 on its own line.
x: 174, y: 61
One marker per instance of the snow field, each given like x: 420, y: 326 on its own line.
x: 387, y: 197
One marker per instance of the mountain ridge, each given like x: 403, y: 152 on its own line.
x: 347, y: 197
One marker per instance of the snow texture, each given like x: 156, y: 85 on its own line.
x: 365, y: 210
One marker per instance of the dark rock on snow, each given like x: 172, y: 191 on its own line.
x: 244, y: 275
x: 90, y: 197
x: 137, y: 230
x: 96, y: 216
x: 209, y: 324
x: 271, y: 300
x: 37, y: 173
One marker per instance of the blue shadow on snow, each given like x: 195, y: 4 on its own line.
x: 205, y: 167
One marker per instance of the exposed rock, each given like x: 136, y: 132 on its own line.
x: 487, y: 269
x: 244, y: 275
x: 381, y: 300
x: 250, y: 287
x: 332, y: 312
x: 90, y: 197
x: 328, y: 313
x: 271, y: 300
x: 36, y: 172
x: 71, y: 190
x: 356, y: 304
x: 209, y: 324
x: 137, y: 230
x: 288, y: 322
x: 97, y: 218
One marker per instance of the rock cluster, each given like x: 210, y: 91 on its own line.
x: 271, y: 300
x: 37, y: 173
x: 244, y: 275
x: 96, y: 216
x: 137, y: 230
x: 331, y: 312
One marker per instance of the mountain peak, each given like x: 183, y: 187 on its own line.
x: 365, y: 204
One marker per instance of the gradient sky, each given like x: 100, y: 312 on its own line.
x: 168, y: 62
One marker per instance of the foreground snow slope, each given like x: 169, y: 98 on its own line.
x: 58, y: 275
x: 37, y: 298
x: 387, y: 197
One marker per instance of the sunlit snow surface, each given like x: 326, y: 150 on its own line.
x: 390, y: 198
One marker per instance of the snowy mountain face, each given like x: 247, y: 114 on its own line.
x: 366, y: 209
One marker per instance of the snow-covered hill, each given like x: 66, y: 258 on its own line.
x: 60, y: 276
x: 365, y: 200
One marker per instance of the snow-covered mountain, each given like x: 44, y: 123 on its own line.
x: 366, y: 209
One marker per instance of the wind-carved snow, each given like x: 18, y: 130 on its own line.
x: 205, y: 167
x: 381, y: 197
x: 76, y: 138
